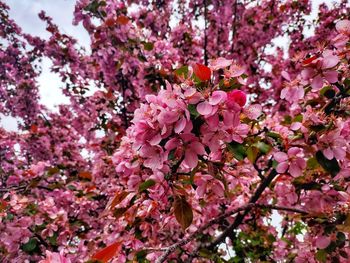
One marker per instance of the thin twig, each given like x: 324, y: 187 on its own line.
x: 13, y: 188
x: 205, y: 33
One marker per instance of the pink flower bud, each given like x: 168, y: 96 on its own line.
x: 236, y: 96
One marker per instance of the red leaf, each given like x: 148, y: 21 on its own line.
x: 108, y: 252
x: 202, y: 72
x: 122, y: 20
x: 110, y: 22
x: 34, y: 128
x: 118, y: 198
x: 183, y: 212
x: 85, y: 175
x: 309, y: 60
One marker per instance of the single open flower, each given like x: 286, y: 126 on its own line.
x: 291, y: 161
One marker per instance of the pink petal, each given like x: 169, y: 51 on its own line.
x: 343, y: 26
x: 340, y: 41
x: 293, y: 151
x: 322, y: 242
x: 307, y: 73
x: 285, y: 75
x: 213, y: 121
x: 168, y: 117
x: 253, y: 111
x: 146, y: 151
x: 280, y: 156
x: 339, y: 153
x: 284, y: 93
x: 242, y: 129
x: 180, y: 125
x: 295, y: 126
x: 301, y: 163
x: 204, y: 108
x: 317, y: 82
x: 197, y: 147
x: 172, y: 144
x: 282, y: 167
x: 328, y: 153
x: 191, y: 158
x: 217, y: 97
x: 228, y: 118
x: 294, y: 170
x: 330, y: 61
x: 190, y: 92
x: 155, y: 140
x: 220, y: 63
x: 218, y: 188
x: 331, y: 76
x: 201, y: 190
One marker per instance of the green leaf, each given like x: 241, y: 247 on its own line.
x: 252, y: 153
x: 273, y: 135
x: 146, y: 184
x: 182, y: 72
x: 148, y: 46
x: 263, y: 147
x: 347, y: 83
x: 171, y: 155
x: 205, y: 253
x: 53, y: 239
x: 193, y: 110
x: 287, y: 120
x: 31, y: 209
x: 142, y: 58
x: 30, y: 246
x: 321, y: 255
x: 312, y: 163
x: 341, y: 238
x: 330, y: 166
x: 328, y: 92
x: 238, y: 150
x: 298, y: 118
x: 183, y: 212
x: 140, y: 257
x: 317, y: 128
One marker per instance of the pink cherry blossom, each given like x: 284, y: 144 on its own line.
x: 53, y: 257
x: 292, y: 161
x: 220, y: 63
x: 343, y: 27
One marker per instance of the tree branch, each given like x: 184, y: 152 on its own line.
x: 234, y: 22
x: 239, y: 219
x: 13, y: 188
x: 205, y: 33
x: 249, y: 206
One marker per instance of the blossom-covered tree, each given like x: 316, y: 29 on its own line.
x: 187, y: 133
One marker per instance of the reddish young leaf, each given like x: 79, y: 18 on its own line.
x: 34, y: 128
x: 107, y: 253
x: 309, y: 60
x: 118, y: 198
x: 202, y: 72
x: 110, y: 22
x: 122, y: 20
x: 183, y: 212
x: 85, y: 175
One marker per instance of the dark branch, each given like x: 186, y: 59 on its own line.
x: 172, y: 248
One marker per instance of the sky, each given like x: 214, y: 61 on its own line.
x: 25, y: 13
